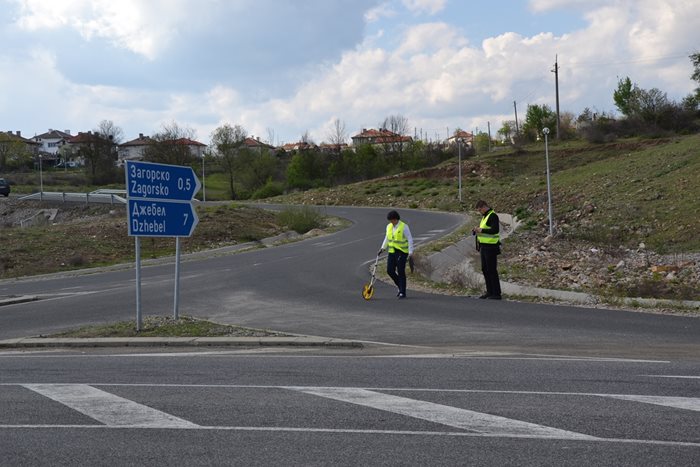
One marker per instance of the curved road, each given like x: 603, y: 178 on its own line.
x: 314, y: 287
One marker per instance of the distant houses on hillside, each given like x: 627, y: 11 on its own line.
x: 59, y: 148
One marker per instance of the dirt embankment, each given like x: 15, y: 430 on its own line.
x: 39, y: 238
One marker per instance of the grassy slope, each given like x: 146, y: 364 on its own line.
x: 638, y: 190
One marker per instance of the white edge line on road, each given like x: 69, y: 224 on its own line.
x: 672, y: 376
x: 252, y: 353
x: 352, y: 431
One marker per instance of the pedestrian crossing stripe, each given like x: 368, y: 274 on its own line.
x: 114, y: 412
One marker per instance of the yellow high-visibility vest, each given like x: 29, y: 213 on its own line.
x: 484, y: 238
x: 395, y: 238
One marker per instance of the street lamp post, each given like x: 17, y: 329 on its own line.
x: 459, y: 171
x: 204, y: 182
x: 549, y: 185
x: 41, y: 180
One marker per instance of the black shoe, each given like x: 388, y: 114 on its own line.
x: 494, y: 297
x: 484, y: 296
x: 401, y: 295
x: 398, y: 293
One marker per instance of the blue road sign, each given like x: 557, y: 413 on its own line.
x: 148, y: 180
x: 150, y: 218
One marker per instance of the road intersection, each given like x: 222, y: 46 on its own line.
x: 439, y: 379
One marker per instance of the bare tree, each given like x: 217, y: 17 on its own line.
x: 337, y: 135
x: 227, y: 141
x: 306, y: 138
x: 270, y: 136
x: 398, y: 125
x: 108, y: 130
x: 98, y: 149
x: 172, y: 145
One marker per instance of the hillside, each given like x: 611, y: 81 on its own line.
x: 626, y: 213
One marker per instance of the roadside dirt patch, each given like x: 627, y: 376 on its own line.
x: 79, y: 236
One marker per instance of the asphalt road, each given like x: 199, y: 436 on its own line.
x: 358, y: 407
x: 314, y: 287
x: 457, y: 380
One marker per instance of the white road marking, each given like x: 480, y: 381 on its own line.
x: 512, y: 356
x: 436, y: 231
x: 443, y: 414
x: 672, y: 376
x: 349, y: 431
x: 461, y: 434
x: 465, y: 355
x: 119, y: 413
x: 686, y: 403
x: 107, y: 408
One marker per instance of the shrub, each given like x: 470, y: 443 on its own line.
x: 268, y: 190
x: 301, y: 219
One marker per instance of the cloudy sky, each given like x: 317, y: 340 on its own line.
x: 280, y: 68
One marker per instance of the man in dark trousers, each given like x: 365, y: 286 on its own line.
x: 489, y: 245
x: 398, y: 241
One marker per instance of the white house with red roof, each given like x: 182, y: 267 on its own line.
x: 52, y: 141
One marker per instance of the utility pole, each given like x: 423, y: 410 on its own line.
x: 556, y: 87
x: 515, y: 108
x: 489, y: 127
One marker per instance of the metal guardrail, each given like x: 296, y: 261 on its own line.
x: 103, y: 196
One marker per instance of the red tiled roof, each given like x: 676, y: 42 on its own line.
x: 461, y: 134
x: 140, y: 141
x: 381, y: 136
x: 187, y: 142
x: 82, y: 138
x: 254, y: 143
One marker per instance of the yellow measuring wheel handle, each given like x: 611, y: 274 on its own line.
x: 367, y: 292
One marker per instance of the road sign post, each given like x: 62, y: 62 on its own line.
x: 159, y: 204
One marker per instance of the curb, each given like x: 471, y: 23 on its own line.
x: 47, y: 342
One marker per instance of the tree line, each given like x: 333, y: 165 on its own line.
x: 262, y: 171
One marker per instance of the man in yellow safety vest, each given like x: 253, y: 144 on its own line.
x: 399, y: 243
x: 489, y: 245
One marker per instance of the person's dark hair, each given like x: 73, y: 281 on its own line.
x: 481, y: 204
x: 393, y: 215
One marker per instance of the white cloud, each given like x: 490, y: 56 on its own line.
x: 425, y: 6
x: 383, y: 10
x: 144, y: 28
x: 547, y: 5
x: 430, y: 73
x: 436, y: 78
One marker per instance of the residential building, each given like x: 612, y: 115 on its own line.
x: 134, y: 150
x: 52, y: 141
x: 196, y: 148
x: 465, y: 137
x: 14, y: 149
x: 88, y: 144
x: 17, y: 140
x: 380, y: 137
x: 255, y: 144
x: 333, y: 148
x: 298, y: 146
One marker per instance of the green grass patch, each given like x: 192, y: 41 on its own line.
x: 301, y: 219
